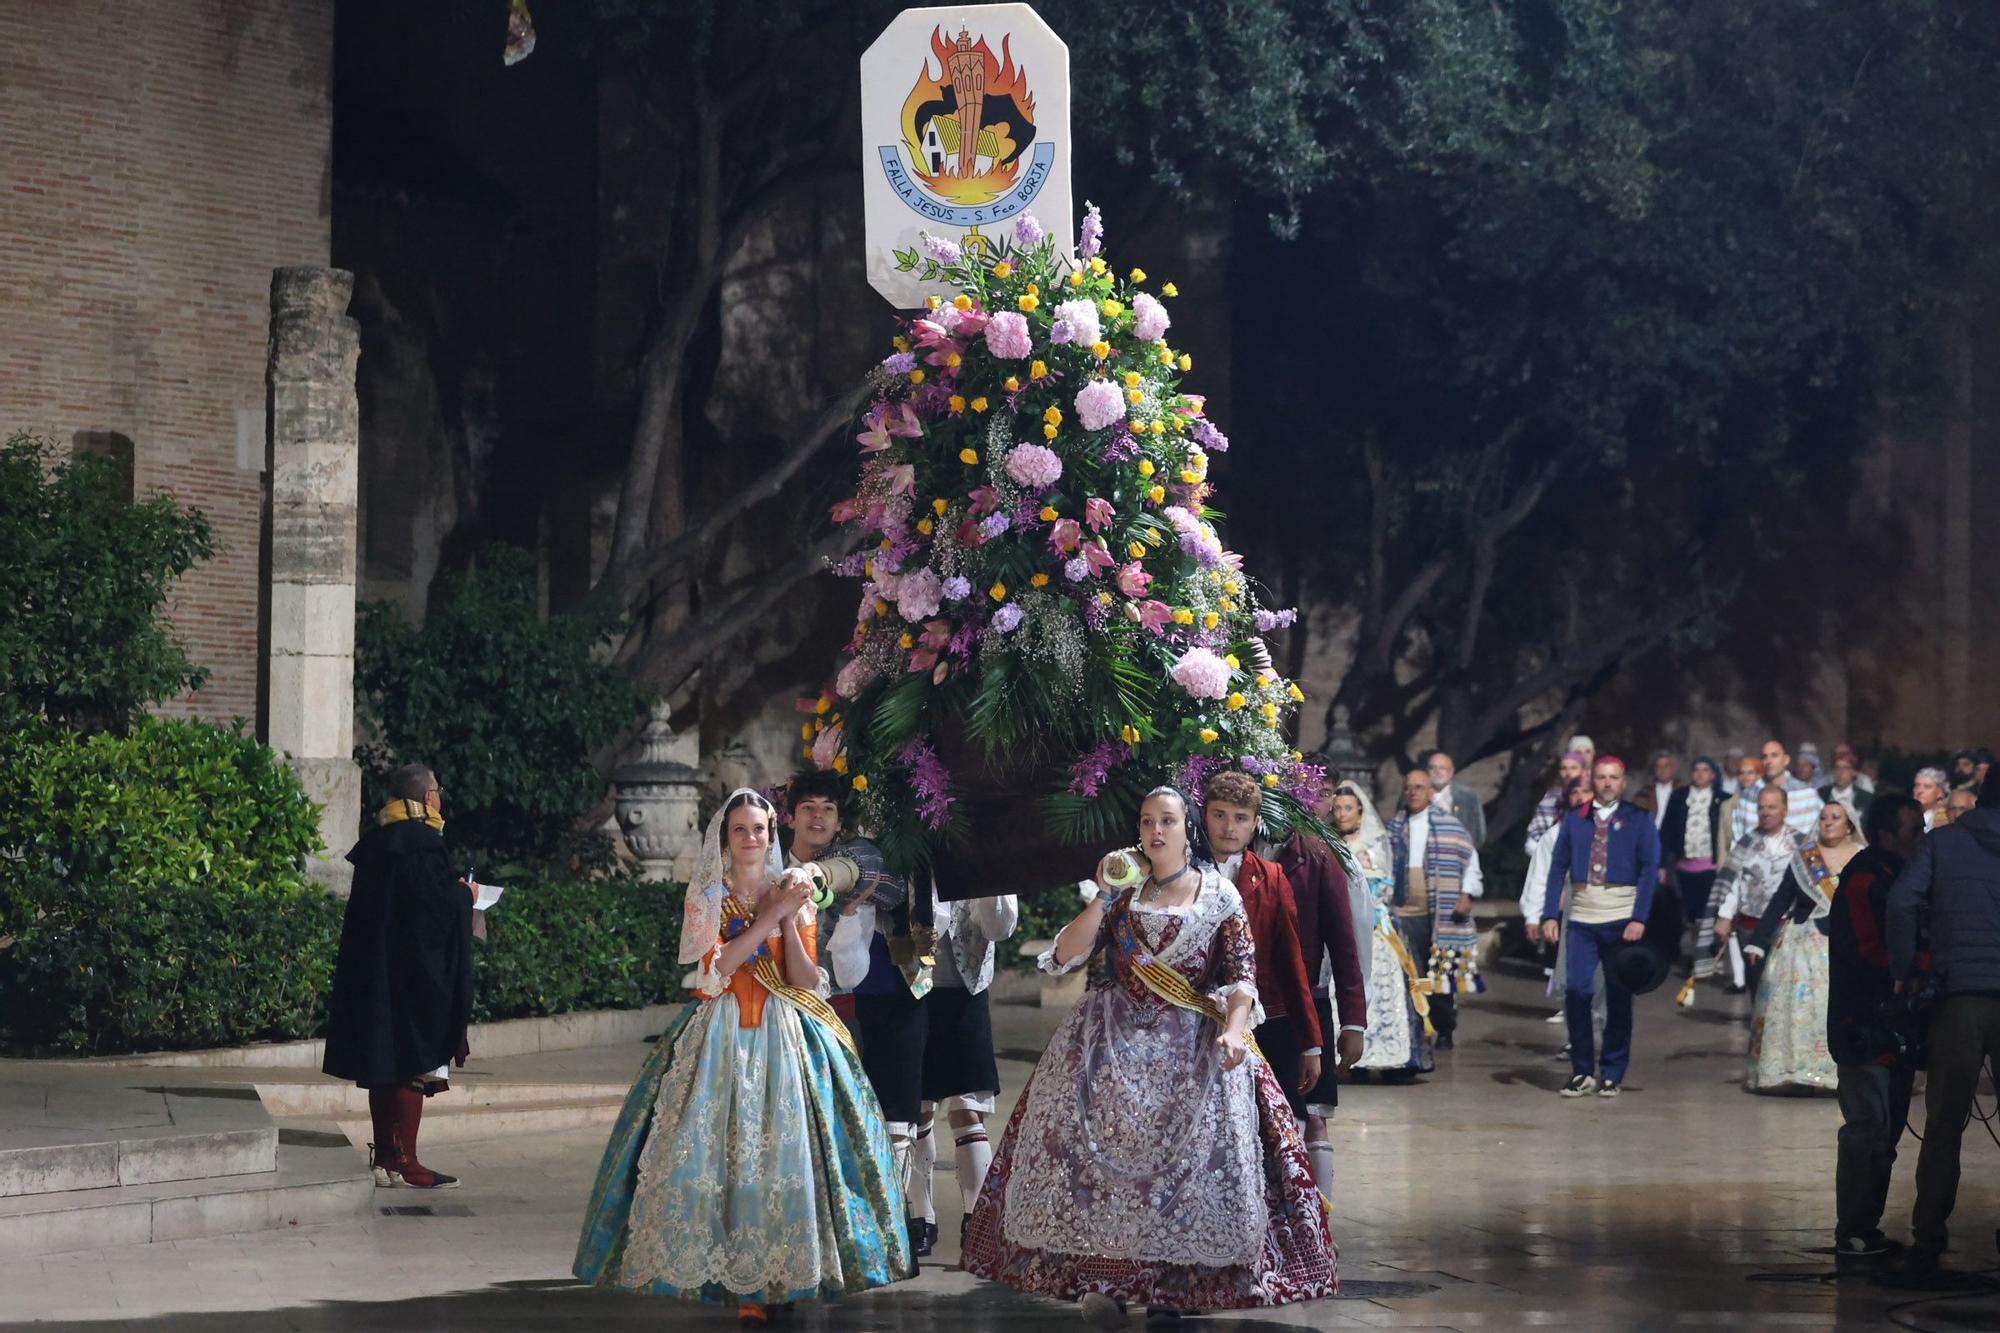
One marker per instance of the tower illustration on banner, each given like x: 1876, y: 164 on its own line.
x: 965, y: 126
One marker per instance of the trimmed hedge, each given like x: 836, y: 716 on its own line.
x: 109, y: 970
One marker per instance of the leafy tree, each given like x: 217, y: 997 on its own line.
x: 1560, y: 415
x: 83, y: 637
x: 505, y: 705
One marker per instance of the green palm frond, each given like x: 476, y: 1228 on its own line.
x: 899, y: 713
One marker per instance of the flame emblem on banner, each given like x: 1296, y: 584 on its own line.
x: 966, y: 126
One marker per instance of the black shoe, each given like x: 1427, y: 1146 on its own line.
x: 1443, y: 1043
x: 964, y: 1223
x: 920, y: 1238
x: 1579, y: 1085
x: 1868, y: 1249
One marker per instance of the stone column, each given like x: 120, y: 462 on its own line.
x: 312, y: 460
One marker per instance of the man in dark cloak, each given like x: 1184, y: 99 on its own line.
x: 402, y: 987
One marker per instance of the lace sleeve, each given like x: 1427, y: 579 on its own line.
x: 1236, y: 964
x: 1047, y: 961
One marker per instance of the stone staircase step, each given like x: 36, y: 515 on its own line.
x: 327, y: 1100
x: 448, y: 1124
x: 307, y: 1184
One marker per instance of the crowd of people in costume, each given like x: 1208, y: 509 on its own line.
x: 1172, y: 1148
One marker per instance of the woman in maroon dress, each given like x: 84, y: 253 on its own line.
x: 1152, y: 1157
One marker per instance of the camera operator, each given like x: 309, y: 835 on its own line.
x: 1951, y: 887
x: 1875, y: 1080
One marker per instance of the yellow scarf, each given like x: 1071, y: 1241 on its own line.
x: 768, y: 975
x: 398, y: 810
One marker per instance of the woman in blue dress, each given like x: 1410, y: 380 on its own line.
x: 750, y: 1165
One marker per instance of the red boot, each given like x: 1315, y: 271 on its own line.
x: 409, y: 1116
x: 385, y: 1161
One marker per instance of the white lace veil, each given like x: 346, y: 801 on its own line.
x: 701, y: 916
x: 1374, y: 835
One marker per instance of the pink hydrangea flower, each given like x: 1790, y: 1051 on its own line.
x: 1149, y: 318
x: 919, y: 595
x: 1034, y: 466
x: 1081, y: 317
x: 1007, y: 336
x: 1202, y: 674
x: 1098, y: 404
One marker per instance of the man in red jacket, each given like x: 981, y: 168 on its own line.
x: 1291, y: 1035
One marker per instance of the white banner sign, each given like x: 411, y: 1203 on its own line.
x: 964, y: 127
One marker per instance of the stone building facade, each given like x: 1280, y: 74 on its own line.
x: 160, y: 159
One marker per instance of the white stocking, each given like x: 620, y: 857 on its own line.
x: 923, y: 1158
x: 1320, y: 1152
x: 974, y: 1154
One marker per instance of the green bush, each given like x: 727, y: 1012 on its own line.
x: 505, y: 706
x: 559, y: 948
x: 108, y: 967
x: 1043, y: 915
x: 171, y: 803
x: 101, y: 970
x: 83, y: 637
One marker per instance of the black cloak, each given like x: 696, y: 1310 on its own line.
x: 402, y: 988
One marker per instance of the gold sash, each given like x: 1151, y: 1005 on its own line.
x: 1167, y: 982
x: 1420, y: 985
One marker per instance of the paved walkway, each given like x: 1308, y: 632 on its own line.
x: 1476, y: 1199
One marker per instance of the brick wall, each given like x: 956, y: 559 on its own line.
x: 158, y: 158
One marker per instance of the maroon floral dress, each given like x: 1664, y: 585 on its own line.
x: 1135, y: 1164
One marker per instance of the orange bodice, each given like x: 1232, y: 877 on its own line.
x: 751, y: 996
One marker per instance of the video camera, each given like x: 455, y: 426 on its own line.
x: 1902, y: 1028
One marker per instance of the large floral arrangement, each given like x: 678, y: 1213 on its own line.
x: 1042, y: 575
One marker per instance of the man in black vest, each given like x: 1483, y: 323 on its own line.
x: 402, y: 987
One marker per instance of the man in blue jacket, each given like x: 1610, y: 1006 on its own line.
x: 1610, y: 857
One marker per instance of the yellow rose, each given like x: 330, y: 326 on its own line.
x: 956, y: 402
x: 1003, y: 269
x: 1100, y: 350
x: 1270, y: 712
x: 998, y: 592
x: 979, y: 404
x: 926, y: 527
x: 1135, y: 395
x: 1146, y: 468
x: 1266, y: 676
x: 1050, y: 432
x: 968, y: 456
x: 1189, y: 476
x: 1186, y: 362
x: 1209, y: 620
x: 806, y: 751
x: 806, y: 731
x: 1133, y: 379
x: 1234, y: 663
x: 881, y: 607
x: 1049, y: 514
x: 1298, y: 695
x: 906, y: 640
x: 1183, y: 616
x: 1138, y: 550
x: 1038, y: 370
x: 962, y: 301
x: 1039, y: 581
x: 1034, y: 289
x: 1028, y: 302
x: 1228, y: 605
x: 1053, y: 416
x: 1129, y: 734
x: 861, y: 782
x: 1098, y: 266
x: 1076, y: 278
x: 840, y: 763
x: 1166, y: 355
x: 824, y: 706
x: 1113, y: 308
x: 954, y: 359
x: 1235, y: 701
x: 899, y: 342
x: 1270, y: 779
x: 1170, y: 290
x: 1157, y: 494
x: 1138, y: 275
x: 1159, y: 428
x: 917, y: 375
x: 1209, y: 735
x: 1013, y: 384
x: 939, y: 505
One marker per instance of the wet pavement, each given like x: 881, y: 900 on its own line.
x: 1474, y: 1199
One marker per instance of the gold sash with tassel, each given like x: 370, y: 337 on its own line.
x: 765, y: 970
x: 1167, y: 982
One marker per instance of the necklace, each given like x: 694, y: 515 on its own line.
x: 1154, y: 888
